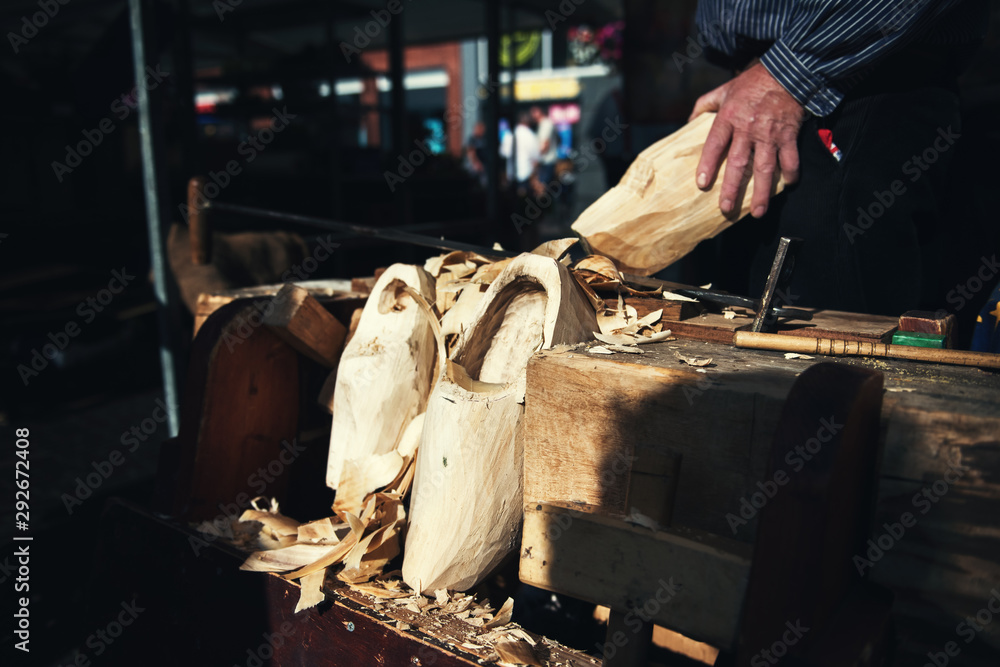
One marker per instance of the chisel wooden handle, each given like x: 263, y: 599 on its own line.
x: 853, y: 348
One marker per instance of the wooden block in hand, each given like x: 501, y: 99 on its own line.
x: 303, y: 323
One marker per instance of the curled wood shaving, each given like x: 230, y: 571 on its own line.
x: 286, y: 558
x: 503, y: 616
x: 556, y: 248
x: 323, y: 531
x: 516, y: 653
x: 601, y: 266
x: 599, y: 349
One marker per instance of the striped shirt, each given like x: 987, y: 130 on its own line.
x: 817, y: 49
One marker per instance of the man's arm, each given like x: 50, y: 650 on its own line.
x: 761, y: 111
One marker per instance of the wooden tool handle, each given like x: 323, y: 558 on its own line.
x: 200, y: 233
x: 830, y: 346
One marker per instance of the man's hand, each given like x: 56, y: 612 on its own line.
x: 758, y: 121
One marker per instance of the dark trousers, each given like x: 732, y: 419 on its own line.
x: 874, y: 224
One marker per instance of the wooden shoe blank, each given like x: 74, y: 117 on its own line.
x: 385, y: 372
x: 465, y: 511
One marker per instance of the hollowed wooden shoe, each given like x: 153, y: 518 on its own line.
x: 465, y: 509
x: 385, y: 372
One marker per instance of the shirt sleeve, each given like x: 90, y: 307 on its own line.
x: 827, y: 42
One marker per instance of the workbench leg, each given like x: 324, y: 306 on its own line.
x: 627, y: 645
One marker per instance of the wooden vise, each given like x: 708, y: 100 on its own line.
x: 596, y: 518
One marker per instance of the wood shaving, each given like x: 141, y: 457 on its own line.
x: 640, y: 519
x: 694, y: 361
x: 627, y: 349
x: 516, y: 653
x: 672, y: 296
x: 311, y: 590
x: 599, y: 349
x: 503, y: 616
x: 796, y: 355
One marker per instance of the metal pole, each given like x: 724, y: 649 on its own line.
x: 400, y: 141
x: 492, y: 116
x: 154, y: 184
x: 383, y: 233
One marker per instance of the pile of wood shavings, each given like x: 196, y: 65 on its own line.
x: 490, y: 633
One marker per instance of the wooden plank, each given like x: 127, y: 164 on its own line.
x: 721, y: 424
x: 298, y: 319
x: 689, y: 581
x: 324, y: 290
x: 715, y: 328
x: 637, y: 417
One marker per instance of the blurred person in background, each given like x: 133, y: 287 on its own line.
x: 521, y: 149
x: 548, y: 145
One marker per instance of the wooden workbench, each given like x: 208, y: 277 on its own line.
x: 585, y: 411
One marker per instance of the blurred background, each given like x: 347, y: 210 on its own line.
x: 387, y: 114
